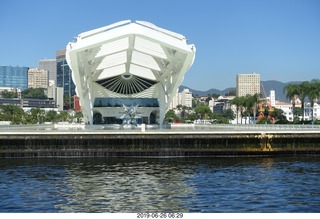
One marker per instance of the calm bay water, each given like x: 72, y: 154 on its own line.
x: 230, y: 184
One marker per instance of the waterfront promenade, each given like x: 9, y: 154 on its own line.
x: 178, y: 140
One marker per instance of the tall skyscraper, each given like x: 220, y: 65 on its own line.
x: 64, y: 72
x: 51, y: 66
x: 16, y: 77
x: 38, y: 78
x: 247, y: 84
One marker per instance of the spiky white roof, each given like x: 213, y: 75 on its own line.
x: 129, y: 59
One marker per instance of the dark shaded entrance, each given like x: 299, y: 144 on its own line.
x: 97, y: 118
x: 153, y: 117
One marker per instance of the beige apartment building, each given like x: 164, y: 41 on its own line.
x: 247, y: 84
x: 184, y: 98
x: 38, y: 78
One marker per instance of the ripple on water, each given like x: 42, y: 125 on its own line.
x: 161, y: 185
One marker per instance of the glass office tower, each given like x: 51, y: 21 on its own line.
x: 64, y: 78
x: 16, y: 77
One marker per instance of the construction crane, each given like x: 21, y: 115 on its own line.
x: 261, y: 108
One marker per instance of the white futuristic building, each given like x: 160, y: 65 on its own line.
x: 128, y: 63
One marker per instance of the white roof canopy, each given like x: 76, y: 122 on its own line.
x: 127, y: 58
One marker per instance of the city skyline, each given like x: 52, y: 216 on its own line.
x: 280, y: 40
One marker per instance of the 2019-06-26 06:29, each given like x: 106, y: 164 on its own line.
x: 159, y: 215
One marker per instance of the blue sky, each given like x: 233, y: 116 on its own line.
x: 279, y: 39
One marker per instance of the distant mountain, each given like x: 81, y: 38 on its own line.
x: 277, y: 86
x: 205, y: 93
x: 268, y: 85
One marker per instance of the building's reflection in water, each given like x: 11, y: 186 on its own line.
x: 126, y: 186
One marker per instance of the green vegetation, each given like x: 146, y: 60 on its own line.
x: 8, y: 94
x: 17, y: 115
x: 251, y: 106
x: 246, y: 106
x: 33, y: 93
x: 68, y: 102
x: 305, y: 89
x: 201, y: 111
x: 11, y: 113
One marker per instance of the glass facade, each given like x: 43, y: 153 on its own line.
x: 64, y: 78
x: 14, y: 77
x: 119, y: 102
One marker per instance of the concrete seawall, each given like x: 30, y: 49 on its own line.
x: 157, y: 143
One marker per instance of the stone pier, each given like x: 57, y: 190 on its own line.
x: 106, y: 143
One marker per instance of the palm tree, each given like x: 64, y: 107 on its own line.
x: 255, y: 99
x: 313, y: 92
x: 292, y: 92
x: 236, y: 101
x: 242, y: 106
x: 248, y: 103
x: 302, y: 90
x: 183, y: 112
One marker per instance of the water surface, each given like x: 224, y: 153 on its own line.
x: 229, y: 184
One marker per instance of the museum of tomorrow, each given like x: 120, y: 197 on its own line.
x: 128, y: 64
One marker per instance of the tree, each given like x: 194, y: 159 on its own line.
x: 246, y: 105
x: 215, y: 95
x: 208, y: 99
x: 242, y: 102
x: 264, y: 120
x: 12, y: 113
x: 36, y: 115
x: 63, y: 116
x: 67, y: 102
x: 78, y: 116
x: 236, y: 101
x: 9, y: 94
x: 292, y: 92
x: 250, y: 104
x: 171, y: 116
x: 229, y: 114
x: 303, y: 91
x: 202, y: 111
x: 51, y: 116
x: 33, y: 93
x: 313, y: 92
x: 255, y: 99
x: 278, y: 116
x: 191, y: 117
x: 184, y: 112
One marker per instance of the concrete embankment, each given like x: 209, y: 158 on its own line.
x: 157, y: 143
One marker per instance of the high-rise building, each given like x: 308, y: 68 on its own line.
x: 64, y: 78
x: 37, y: 78
x: 184, y: 98
x: 51, y: 66
x: 176, y: 100
x: 16, y: 77
x: 247, y: 84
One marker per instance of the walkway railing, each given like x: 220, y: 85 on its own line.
x: 260, y: 126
